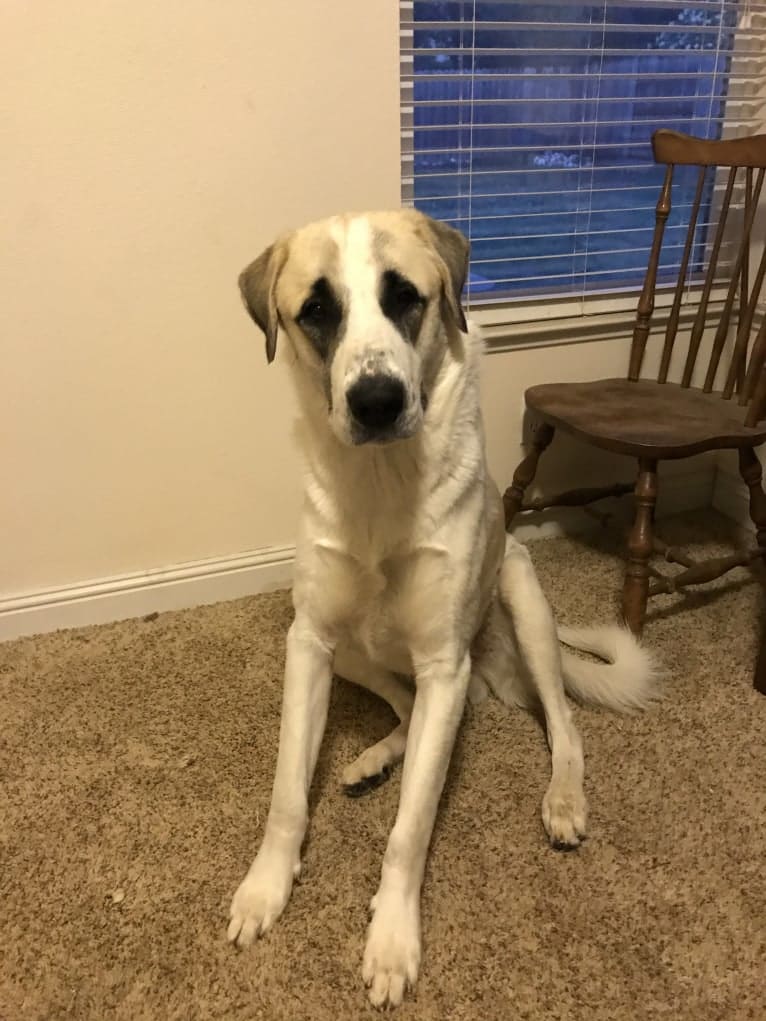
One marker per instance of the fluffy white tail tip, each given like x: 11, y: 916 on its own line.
x: 628, y: 680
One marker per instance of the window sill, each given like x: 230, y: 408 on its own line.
x: 547, y: 332
x: 541, y: 327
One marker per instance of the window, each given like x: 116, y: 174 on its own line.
x: 528, y: 126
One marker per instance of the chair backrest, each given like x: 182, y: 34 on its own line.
x: 745, y: 375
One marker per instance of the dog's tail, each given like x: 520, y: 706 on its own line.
x: 629, y: 679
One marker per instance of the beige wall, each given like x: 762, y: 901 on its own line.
x: 149, y: 151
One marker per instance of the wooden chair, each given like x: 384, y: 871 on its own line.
x: 652, y: 419
x: 759, y: 680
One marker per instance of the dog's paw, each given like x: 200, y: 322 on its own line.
x: 392, y: 953
x: 564, y: 815
x: 356, y: 788
x: 260, y: 899
x: 368, y: 770
x: 374, y: 766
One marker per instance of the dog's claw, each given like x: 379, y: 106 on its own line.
x: 367, y: 784
x: 561, y: 845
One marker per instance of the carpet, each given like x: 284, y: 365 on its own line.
x: 136, y: 762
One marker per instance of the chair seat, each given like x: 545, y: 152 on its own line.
x: 644, y: 418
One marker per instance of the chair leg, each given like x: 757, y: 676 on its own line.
x: 751, y: 472
x: 759, y: 679
x: 525, y: 473
x: 640, y: 547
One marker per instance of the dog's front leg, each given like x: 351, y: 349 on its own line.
x: 265, y: 890
x: 392, y: 954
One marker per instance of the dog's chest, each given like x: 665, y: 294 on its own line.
x: 386, y: 605
x: 380, y: 625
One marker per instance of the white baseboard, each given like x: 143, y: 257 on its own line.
x: 210, y: 581
x: 156, y: 590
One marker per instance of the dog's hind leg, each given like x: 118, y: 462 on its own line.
x: 373, y: 767
x: 521, y: 596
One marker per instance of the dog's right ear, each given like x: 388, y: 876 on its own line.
x: 258, y: 286
x: 453, y: 251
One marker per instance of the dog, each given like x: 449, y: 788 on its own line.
x: 404, y: 581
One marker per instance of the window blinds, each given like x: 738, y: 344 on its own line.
x: 528, y: 126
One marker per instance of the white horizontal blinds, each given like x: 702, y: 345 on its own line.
x: 528, y: 126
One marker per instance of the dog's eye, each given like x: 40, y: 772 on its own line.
x: 313, y: 310
x: 405, y: 294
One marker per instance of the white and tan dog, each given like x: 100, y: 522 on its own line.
x: 401, y: 581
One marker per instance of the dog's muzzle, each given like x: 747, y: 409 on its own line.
x: 376, y: 402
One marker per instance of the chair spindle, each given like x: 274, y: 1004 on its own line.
x: 723, y: 324
x: 699, y: 321
x: 757, y: 409
x: 646, y: 301
x: 755, y: 368
x: 672, y: 327
x: 736, y: 376
x: 744, y: 293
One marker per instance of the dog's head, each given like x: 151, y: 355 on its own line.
x: 369, y: 303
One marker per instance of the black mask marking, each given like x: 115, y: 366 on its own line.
x: 320, y: 318
x: 402, y: 303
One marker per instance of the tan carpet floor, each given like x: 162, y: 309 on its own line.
x: 136, y: 762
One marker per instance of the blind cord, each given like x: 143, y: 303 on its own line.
x: 593, y: 160
x: 470, y: 143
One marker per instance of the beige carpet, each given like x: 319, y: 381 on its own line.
x: 135, y: 766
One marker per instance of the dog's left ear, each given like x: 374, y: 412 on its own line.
x: 453, y: 249
x: 258, y: 286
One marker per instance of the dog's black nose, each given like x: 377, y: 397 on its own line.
x: 376, y: 401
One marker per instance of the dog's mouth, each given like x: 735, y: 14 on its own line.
x: 361, y: 436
